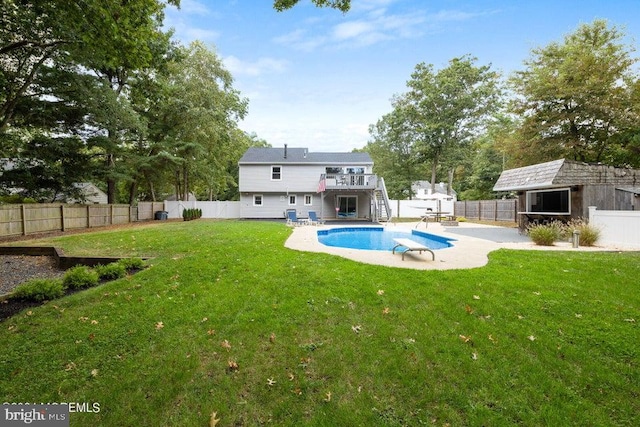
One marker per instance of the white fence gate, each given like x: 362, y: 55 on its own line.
x: 209, y: 209
x: 620, y: 228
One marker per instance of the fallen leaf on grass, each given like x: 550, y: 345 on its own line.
x: 465, y: 338
x: 328, y: 397
x: 225, y: 344
x: 211, y: 332
x: 386, y: 310
x: 213, y: 421
x: 272, y: 338
x: 630, y: 320
x: 94, y: 373
x: 356, y: 329
x: 476, y: 297
x: 468, y: 309
x: 29, y: 313
x: 159, y: 325
x: 70, y: 366
x: 578, y: 316
x: 94, y: 322
x: 291, y: 376
x: 232, y: 366
x: 531, y: 338
x: 380, y: 292
x: 492, y: 339
x: 474, y: 356
x: 271, y: 382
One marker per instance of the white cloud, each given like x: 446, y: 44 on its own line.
x: 178, y: 19
x: 263, y: 65
x: 372, y: 23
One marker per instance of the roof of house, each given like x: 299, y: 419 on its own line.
x: 634, y: 190
x: 258, y: 155
x: 561, y: 173
x: 441, y: 187
x: 528, y: 177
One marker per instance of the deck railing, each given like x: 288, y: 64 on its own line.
x: 362, y: 181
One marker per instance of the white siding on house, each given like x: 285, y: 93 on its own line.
x: 295, y: 178
x: 274, y: 205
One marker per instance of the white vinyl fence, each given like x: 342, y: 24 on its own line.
x: 416, y: 208
x: 621, y: 228
x: 209, y: 209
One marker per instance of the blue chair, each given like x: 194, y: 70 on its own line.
x: 292, y: 218
x: 313, y: 219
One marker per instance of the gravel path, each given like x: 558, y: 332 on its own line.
x: 15, y: 269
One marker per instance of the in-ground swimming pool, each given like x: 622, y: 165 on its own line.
x: 378, y: 238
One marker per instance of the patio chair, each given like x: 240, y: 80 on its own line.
x: 292, y: 219
x: 313, y: 219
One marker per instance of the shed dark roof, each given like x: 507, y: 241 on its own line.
x: 259, y: 155
x: 562, y: 173
x: 528, y: 177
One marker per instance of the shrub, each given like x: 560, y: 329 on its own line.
x: 80, y: 277
x: 132, y: 263
x: 461, y: 219
x: 589, y: 234
x: 39, y: 290
x: 112, y: 271
x: 191, y: 213
x: 546, y: 234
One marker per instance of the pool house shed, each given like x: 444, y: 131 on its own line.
x: 564, y: 189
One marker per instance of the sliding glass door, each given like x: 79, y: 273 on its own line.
x: 347, y: 207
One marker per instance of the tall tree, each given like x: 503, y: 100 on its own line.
x: 193, y: 121
x: 448, y: 108
x: 392, y: 148
x: 576, y: 98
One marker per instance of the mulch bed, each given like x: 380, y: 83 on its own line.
x: 16, y: 269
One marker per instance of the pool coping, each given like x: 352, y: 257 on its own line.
x: 466, y: 252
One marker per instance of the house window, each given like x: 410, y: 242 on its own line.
x: 257, y: 200
x: 292, y: 200
x: 556, y: 201
x: 308, y: 200
x: 276, y: 173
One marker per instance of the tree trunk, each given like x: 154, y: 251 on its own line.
x: 133, y: 187
x: 450, y: 182
x: 434, y: 168
x: 185, y: 186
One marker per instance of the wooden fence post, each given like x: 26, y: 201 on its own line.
x: 61, y: 217
x: 88, y: 216
x: 24, y: 219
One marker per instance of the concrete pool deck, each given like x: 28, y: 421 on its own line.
x: 473, y: 243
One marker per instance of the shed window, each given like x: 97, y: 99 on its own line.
x: 556, y: 201
x: 292, y: 200
x: 276, y: 173
x: 257, y: 200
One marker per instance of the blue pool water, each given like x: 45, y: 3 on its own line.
x: 378, y: 238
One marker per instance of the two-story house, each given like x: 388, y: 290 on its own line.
x: 334, y: 185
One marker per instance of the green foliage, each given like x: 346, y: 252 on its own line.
x: 132, y: 263
x: 589, y: 234
x: 342, y: 5
x: 39, y: 290
x: 80, y: 277
x: 191, y: 213
x: 546, y: 234
x: 111, y: 271
x: 578, y: 99
x: 435, y: 121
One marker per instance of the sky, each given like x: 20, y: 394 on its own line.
x: 318, y: 78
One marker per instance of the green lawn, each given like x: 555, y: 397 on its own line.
x: 227, y: 320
